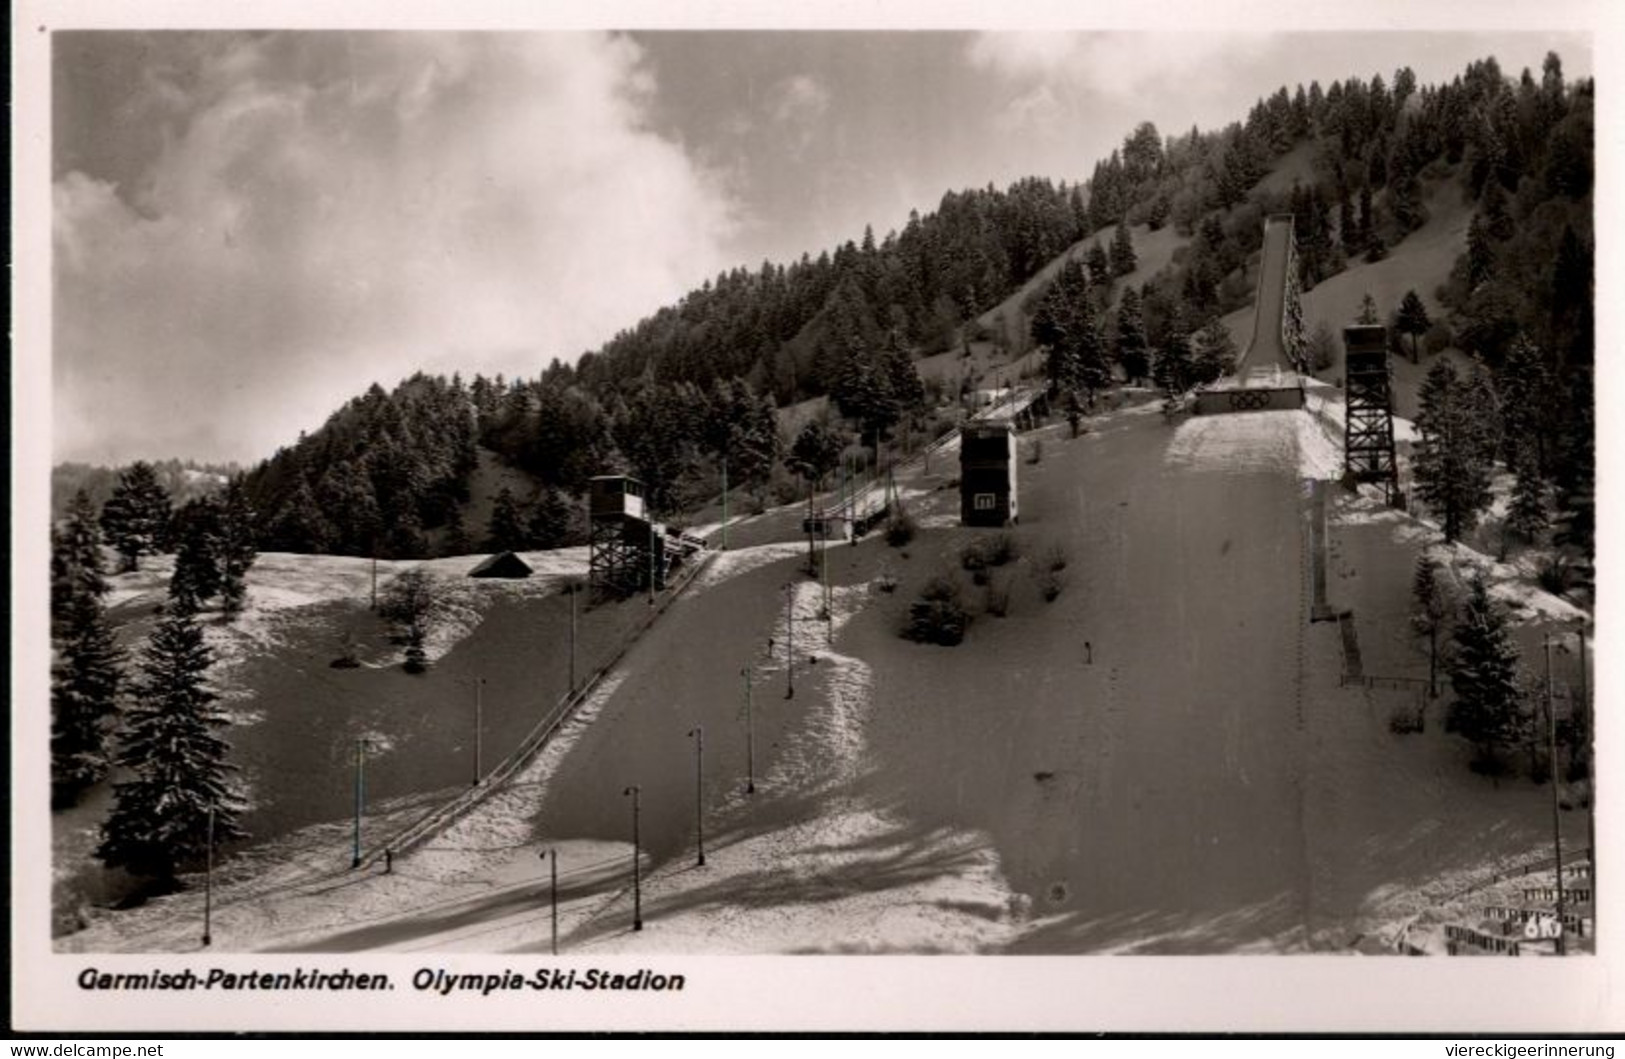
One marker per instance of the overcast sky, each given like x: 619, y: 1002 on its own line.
x: 249, y: 229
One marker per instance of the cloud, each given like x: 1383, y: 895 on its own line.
x: 1117, y: 65
x: 800, y: 98
x: 1037, y: 108
x: 795, y: 108
x: 331, y: 209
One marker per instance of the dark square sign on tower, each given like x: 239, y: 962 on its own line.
x: 1368, y: 436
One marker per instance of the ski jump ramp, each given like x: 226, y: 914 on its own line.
x: 1267, y: 375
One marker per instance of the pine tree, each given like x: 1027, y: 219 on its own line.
x: 1123, y: 258
x: 1091, y: 361
x: 1525, y: 412
x: 506, y: 530
x: 1484, y: 675
x: 1213, y: 352
x: 1480, y: 253
x: 816, y: 452
x: 136, y: 517
x: 1430, y: 606
x: 196, y: 578
x: 76, y: 562
x: 1526, y: 517
x: 1413, y: 319
x: 177, y: 764
x: 1100, y: 266
x: 1453, y: 456
x: 85, y: 684
x: 1172, y: 368
x: 1577, y: 477
x: 1368, y: 310
x: 550, y: 522
x: 1131, y: 344
x: 237, y: 550
x: 456, y: 540
x: 300, y: 525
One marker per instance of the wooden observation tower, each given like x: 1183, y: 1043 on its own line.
x: 1368, y: 436
x: 626, y: 551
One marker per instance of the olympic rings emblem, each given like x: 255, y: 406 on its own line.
x: 1247, y: 400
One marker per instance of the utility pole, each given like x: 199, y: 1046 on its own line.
x: 724, y: 503
x: 552, y: 855
x: 208, y: 885
x: 360, y: 796
x: 375, y: 577
x: 573, y: 587
x: 1557, y: 831
x: 697, y: 733
x: 637, y: 872
x: 829, y: 601
x: 1591, y: 813
x: 479, y: 729
x: 651, y: 564
x: 750, y: 737
x: 790, y: 639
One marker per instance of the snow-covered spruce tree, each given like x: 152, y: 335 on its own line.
x: 237, y: 546
x: 1413, y: 319
x: 456, y: 540
x: 1171, y: 370
x: 1430, y: 606
x: 1452, y: 458
x: 506, y: 531
x: 1484, y: 676
x: 550, y: 521
x: 177, y: 764
x: 85, y: 684
x: 86, y: 675
x: 76, y: 562
x: 1123, y: 258
x: 1526, y: 517
x: 196, y: 579
x: 1213, y: 351
x: 136, y: 517
x: 1131, y: 349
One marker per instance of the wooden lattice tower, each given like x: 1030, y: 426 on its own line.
x: 1368, y: 437
x: 625, y: 550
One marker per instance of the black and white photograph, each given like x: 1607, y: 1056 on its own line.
x: 568, y: 499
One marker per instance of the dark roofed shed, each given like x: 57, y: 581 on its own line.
x: 503, y: 564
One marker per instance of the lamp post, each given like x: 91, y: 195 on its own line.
x: 479, y: 730
x: 360, y: 797
x: 573, y: 587
x: 697, y: 733
x: 637, y: 872
x: 208, y: 883
x: 750, y: 737
x: 552, y: 856
x: 1557, y: 831
x: 1591, y: 813
x: 790, y: 639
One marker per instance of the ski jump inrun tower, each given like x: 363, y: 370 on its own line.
x: 1269, y: 374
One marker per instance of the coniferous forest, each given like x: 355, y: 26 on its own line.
x: 699, y: 382
x: 389, y: 470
